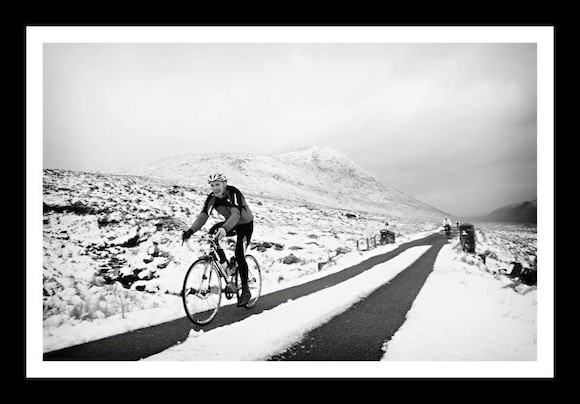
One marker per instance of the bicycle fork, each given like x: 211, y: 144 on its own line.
x: 204, y: 287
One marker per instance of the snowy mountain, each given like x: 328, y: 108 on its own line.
x: 315, y: 175
x: 525, y: 212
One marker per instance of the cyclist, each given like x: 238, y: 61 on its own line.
x: 229, y: 202
x: 447, y: 225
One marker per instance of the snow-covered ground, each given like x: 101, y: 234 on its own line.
x: 468, y: 314
x: 112, y: 250
x: 169, y: 307
x: 465, y: 312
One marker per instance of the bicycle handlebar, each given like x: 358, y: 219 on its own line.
x: 204, y: 237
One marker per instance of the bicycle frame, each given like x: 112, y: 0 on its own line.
x: 213, y: 256
x: 226, y: 282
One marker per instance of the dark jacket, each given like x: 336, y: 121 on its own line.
x: 233, y: 207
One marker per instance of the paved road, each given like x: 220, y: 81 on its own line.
x: 148, y: 341
x: 359, y: 333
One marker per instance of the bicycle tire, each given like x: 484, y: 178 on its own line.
x: 254, y: 281
x: 202, y: 291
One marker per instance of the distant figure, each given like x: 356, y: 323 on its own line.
x: 447, y: 226
x: 457, y: 223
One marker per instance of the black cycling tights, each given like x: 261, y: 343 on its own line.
x: 244, y: 236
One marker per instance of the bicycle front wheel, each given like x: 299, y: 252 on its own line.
x: 254, y: 281
x: 202, y: 291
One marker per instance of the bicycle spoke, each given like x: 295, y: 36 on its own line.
x: 254, y: 280
x: 201, y: 292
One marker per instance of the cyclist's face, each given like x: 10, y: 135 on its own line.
x: 218, y: 188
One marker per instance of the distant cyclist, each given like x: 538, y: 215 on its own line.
x: 229, y: 202
x: 447, y: 226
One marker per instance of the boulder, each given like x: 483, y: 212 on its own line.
x: 265, y: 245
x: 132, y: 242
x: 163, y: 263
x: 153, y: 250
x: 342, y: 250
x: 290, y: 259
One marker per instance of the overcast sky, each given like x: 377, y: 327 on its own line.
x: 453, y: 125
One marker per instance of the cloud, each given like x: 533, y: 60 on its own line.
x: 403, y: 111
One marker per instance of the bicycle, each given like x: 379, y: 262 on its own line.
x: 205, y: 281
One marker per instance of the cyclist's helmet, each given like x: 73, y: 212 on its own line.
x: 216, y: 177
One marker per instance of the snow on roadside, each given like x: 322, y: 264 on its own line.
x: 77, y: 333
x: 288, y: 322
x: 465, y: 312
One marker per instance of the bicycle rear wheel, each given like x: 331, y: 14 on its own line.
x: 254, y: 281
x: 202, y: 291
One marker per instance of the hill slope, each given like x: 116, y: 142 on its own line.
x: 314, y: 175
x: 525, y: 212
